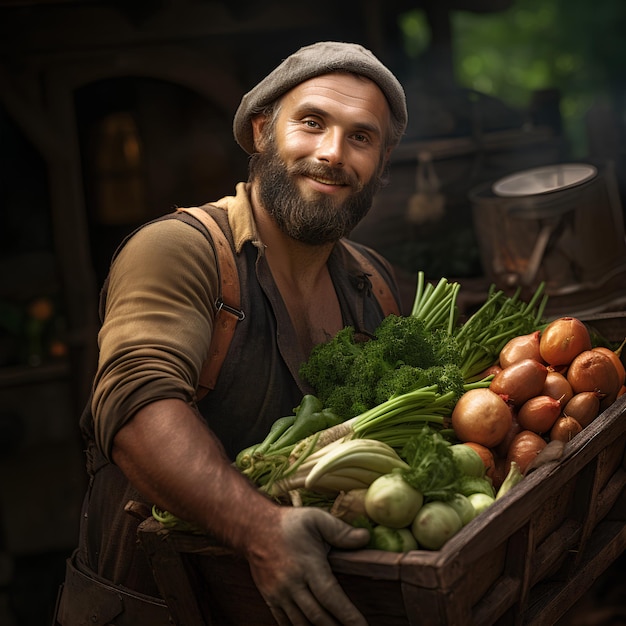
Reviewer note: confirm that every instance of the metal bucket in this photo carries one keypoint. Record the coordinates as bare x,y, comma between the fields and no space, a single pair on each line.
561,225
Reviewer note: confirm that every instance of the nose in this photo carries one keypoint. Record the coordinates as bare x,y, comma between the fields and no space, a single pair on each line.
331,147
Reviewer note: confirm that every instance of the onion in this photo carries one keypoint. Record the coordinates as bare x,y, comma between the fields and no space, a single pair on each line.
557,387
584,407
499,473
563,339
617,362
564,429
593,371
503,447
520,381
524,448
522,347
492,370
539,414
481,416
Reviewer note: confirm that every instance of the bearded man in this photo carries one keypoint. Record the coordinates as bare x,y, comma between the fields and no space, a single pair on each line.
320,129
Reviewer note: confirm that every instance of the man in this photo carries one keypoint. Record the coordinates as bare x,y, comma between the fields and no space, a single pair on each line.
320,129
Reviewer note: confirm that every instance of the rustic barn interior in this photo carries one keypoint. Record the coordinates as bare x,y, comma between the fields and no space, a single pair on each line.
112,113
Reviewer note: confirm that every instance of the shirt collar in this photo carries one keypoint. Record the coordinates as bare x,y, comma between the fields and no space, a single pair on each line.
240,217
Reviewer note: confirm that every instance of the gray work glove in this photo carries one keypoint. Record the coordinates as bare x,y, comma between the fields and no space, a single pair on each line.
296,580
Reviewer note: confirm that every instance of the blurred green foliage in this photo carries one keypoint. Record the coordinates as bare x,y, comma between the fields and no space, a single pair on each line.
575,46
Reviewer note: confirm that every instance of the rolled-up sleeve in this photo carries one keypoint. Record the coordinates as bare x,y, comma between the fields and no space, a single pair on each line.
157,324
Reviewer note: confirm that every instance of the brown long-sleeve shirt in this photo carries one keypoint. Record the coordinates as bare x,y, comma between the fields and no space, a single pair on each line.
157,326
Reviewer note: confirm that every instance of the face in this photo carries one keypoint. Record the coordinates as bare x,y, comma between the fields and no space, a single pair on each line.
321,157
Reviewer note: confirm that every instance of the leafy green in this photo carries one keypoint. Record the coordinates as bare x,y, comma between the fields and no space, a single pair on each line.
433,469
351,376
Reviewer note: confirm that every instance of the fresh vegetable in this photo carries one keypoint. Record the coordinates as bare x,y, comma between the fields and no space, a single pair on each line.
557,387
474,484
434,524
564,429
513,477
526,445
584,407
393,422
501,449
551,452
520,381
614,356
170,521
392,539
539,413
436,305
309,417
463,506
481,501
422,364
352,374
481,416
433,470
482,337
486,455
391,501
594,371
562,339
375,458
350,505
468,459
344,465
519,348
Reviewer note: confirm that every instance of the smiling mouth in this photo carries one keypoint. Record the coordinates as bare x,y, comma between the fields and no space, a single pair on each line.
326,181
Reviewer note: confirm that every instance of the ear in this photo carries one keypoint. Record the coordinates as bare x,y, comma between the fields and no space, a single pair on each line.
258,125
387,155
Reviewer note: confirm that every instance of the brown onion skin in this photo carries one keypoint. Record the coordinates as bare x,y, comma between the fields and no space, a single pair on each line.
524,448
584,407
503,447
490,371
617,363
557,387
622,391
563,339
564,429
481,416
520,382
499,472
539,414
519,348
593,371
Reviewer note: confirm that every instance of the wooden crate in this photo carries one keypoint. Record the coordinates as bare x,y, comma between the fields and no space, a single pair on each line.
525,560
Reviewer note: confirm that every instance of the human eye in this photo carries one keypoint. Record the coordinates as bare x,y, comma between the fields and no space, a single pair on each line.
311,123
361,138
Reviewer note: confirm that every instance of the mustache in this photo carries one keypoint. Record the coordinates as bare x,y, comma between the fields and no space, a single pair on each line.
332,174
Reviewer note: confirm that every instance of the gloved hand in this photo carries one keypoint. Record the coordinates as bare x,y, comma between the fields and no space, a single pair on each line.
294,576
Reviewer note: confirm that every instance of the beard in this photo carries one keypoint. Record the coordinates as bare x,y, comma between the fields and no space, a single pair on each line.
314,221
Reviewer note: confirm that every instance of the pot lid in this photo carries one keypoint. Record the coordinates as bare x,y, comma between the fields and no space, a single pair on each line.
540,180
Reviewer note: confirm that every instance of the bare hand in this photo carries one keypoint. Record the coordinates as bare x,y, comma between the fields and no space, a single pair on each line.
294,575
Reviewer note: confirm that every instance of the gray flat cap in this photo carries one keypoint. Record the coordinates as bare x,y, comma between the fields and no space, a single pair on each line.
315,60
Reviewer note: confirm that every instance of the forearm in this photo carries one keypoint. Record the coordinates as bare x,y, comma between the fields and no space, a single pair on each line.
176,462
